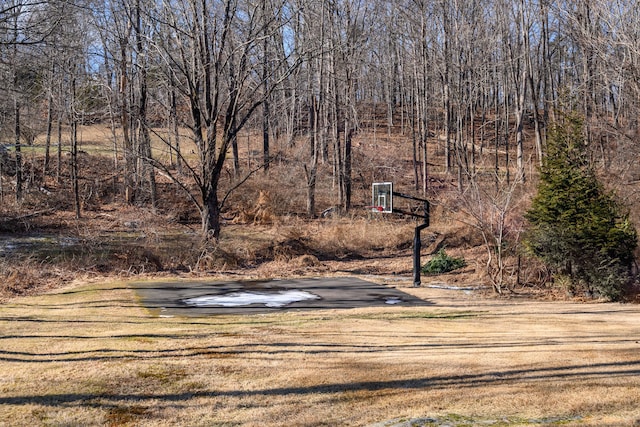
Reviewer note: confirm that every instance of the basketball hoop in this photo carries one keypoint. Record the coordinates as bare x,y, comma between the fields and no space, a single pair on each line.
382,195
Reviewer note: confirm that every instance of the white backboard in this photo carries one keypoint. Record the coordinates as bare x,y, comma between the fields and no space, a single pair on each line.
382,197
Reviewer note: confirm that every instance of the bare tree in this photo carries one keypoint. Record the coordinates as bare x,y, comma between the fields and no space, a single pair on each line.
492,213
216,49
26,26
352,25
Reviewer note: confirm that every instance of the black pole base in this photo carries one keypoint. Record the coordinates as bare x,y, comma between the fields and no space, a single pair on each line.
417,246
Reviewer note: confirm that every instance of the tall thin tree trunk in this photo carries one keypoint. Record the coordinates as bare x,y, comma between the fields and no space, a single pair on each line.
317,107
521,93
143,127
506,129
416,106
265,136
130,168
312,171
265,79
47,141
338,158
74,149
446,88
424,121
496,127
59,149
1,179
414,145
18,150
346,180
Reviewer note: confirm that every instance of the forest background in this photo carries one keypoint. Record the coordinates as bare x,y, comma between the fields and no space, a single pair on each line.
144,131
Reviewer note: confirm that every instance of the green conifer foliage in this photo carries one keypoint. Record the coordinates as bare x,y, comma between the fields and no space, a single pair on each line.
576,227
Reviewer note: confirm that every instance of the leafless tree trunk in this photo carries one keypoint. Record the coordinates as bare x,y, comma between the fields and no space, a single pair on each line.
59,148
18,149
144,139
174,124
15,26
520,73
47,143
73,117
446,86
266,110
130,169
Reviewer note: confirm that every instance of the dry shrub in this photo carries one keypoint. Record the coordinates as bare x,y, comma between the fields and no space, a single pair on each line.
451,225
137,260
306,243
462,236
292,242
27,276
286,187
306,261
344,236
533,273
214,258
291,247
19,282
632,293
259,212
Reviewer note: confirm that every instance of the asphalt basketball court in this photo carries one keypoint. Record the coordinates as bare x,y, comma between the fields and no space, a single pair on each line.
203,298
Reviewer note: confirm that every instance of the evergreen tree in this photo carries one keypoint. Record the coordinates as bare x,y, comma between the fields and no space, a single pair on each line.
576,227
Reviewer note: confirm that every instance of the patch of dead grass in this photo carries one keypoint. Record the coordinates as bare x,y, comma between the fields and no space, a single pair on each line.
124,415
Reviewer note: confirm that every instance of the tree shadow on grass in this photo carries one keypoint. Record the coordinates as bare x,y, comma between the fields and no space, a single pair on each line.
258,350
583,372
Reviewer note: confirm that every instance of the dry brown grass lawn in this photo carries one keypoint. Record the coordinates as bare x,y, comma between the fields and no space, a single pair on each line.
91,355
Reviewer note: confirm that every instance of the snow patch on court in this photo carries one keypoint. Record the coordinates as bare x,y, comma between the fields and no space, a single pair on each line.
238,299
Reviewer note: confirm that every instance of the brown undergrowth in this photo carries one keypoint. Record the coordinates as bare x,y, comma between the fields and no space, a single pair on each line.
129,241
265,232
